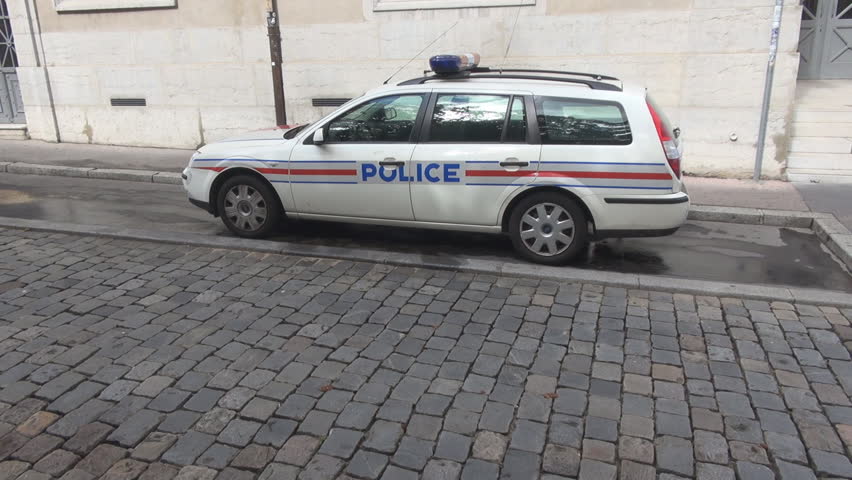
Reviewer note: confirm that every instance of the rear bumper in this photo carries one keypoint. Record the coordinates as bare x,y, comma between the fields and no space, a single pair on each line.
601,234
667,200
645,215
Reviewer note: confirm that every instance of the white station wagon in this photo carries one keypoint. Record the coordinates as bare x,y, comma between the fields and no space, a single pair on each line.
551,158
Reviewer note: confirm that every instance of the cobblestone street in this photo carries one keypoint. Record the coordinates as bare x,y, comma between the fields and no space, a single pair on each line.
124,360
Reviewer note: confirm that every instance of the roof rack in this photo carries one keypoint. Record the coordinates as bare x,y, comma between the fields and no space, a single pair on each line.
485,72
595,76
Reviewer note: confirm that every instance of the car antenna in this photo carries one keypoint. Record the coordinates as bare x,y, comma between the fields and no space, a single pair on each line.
421,51
511,35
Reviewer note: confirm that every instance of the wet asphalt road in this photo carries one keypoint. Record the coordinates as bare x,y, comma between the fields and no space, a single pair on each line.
699,250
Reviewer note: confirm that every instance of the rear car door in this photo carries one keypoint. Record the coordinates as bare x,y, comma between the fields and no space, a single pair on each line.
476,150
588,146
360,169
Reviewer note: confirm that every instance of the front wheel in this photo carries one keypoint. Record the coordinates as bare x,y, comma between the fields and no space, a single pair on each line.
548,228
248,207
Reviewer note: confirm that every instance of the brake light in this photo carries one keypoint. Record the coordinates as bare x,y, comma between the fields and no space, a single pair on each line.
667,141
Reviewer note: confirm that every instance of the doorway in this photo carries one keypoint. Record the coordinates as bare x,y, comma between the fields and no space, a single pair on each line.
825,42
11,104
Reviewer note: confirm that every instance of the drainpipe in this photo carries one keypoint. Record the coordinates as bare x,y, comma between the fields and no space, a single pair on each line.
767,88
275,55
41,61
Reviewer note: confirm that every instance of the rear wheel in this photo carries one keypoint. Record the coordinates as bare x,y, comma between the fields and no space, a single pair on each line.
248,207
548,228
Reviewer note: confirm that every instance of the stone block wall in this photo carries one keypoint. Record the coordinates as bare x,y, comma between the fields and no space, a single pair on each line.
703,60
204,66
203,69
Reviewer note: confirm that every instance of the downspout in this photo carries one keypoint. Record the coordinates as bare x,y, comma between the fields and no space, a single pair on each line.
42,62
275,54
767,89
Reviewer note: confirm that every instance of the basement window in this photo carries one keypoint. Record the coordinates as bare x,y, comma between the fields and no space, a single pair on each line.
391,5
108,5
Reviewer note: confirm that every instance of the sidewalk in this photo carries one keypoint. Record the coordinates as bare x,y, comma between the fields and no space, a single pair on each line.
93,156
775,195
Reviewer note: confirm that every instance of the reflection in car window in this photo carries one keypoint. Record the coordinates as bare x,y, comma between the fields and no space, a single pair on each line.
386,119
567,121
468,118
517,131
295,131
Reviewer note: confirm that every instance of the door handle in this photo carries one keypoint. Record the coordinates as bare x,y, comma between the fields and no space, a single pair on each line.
391,162
514,162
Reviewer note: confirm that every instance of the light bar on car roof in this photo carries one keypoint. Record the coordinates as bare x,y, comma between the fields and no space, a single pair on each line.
447,64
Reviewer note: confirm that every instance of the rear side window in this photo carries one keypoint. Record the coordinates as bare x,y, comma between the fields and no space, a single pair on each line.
468,118
571,121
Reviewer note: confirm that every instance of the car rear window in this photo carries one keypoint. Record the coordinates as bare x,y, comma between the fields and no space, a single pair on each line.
572,121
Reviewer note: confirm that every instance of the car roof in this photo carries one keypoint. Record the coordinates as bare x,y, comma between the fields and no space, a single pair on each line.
534,86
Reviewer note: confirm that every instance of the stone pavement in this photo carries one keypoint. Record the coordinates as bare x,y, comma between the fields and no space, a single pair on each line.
125,360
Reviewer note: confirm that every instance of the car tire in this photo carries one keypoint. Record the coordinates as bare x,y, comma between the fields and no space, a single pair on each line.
249,207
548,228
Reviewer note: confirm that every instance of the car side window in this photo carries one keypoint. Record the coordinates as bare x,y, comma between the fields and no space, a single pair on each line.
571,121
386,119
468,118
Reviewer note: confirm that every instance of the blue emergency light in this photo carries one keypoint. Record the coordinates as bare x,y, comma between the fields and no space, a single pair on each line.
449,64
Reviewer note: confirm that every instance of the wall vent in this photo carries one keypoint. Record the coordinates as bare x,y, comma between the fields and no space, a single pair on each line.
329,102
128,102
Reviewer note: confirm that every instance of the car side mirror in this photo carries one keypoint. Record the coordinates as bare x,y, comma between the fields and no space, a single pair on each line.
319,137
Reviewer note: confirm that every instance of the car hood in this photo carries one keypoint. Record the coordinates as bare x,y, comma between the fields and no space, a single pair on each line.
276,133
247,144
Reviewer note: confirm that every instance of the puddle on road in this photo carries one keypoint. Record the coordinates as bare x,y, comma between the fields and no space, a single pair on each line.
14,197
699,250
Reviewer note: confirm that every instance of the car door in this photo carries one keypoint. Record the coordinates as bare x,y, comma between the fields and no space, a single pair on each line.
359,170
476,150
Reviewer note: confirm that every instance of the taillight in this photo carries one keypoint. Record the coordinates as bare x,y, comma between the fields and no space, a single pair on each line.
668,142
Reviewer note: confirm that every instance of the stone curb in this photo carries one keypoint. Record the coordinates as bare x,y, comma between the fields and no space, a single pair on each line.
449,262
130,175
756,216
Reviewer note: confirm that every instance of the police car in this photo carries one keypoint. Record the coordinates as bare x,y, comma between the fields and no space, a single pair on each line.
551,158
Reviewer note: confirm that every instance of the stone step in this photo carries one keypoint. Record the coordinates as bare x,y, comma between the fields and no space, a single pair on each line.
829,92
819,176
822,116
820,161
817,129
821,145
824,105
13,131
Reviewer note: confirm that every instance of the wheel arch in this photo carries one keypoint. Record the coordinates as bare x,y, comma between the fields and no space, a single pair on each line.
233,172
507,213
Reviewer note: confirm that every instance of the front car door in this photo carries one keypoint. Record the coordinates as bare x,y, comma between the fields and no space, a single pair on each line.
477,150
360,169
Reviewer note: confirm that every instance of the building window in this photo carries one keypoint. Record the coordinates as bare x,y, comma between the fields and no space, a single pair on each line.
98,5
391,5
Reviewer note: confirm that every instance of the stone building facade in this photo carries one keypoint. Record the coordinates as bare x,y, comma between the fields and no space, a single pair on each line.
203,66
